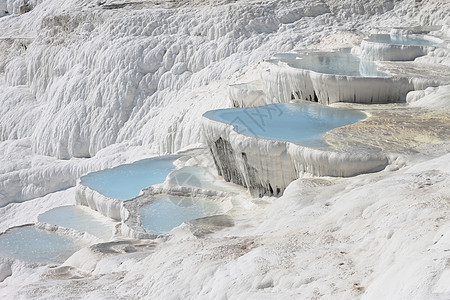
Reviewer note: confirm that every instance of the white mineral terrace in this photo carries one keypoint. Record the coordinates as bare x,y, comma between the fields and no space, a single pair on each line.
105,190
395,47
342,78
350,201
122,193
266,167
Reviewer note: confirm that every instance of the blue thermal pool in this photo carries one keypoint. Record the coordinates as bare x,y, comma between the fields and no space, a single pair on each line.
301,123
126,181
79,218
200,177
168,212
33,245
337,63
400,40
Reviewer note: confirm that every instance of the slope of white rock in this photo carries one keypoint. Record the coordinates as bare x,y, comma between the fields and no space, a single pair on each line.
85,86
109,207
77,78
94,78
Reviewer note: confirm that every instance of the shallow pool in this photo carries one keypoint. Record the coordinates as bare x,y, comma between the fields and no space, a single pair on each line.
302,123
337,63
168,212
79,218
34,245
400,40
126,181
201,177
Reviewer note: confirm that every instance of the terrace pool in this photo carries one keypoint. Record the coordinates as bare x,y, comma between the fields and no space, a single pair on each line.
79,218
126,181
400,40
336,63
33,245
302,124
168,212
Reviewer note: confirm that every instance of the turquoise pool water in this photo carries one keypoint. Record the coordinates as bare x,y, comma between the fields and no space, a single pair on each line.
126,181
33,245
78,218
168,212
337,63
400,40
201,177
302,124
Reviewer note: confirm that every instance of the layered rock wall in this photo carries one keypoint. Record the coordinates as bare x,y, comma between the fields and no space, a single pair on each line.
266,167
282,84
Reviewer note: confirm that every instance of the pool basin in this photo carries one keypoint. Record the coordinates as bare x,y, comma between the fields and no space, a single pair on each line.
126,181
81,219
299,123
33,245
168,212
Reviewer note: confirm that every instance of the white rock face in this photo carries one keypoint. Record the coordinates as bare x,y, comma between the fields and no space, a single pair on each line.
96,78
266,167
117,83
438,56
401,49
282,84
359,233
76,78
431,98
379,51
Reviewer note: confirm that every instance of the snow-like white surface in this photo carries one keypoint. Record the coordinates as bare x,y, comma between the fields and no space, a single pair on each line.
84,88
371,236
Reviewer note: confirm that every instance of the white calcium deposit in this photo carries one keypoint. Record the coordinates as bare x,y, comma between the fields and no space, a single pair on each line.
370,50
282,84
86,85
266,167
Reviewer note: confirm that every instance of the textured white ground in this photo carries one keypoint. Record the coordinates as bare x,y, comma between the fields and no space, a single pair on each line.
84,88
